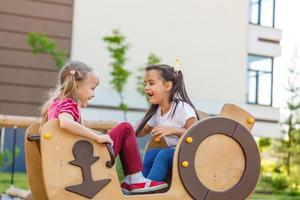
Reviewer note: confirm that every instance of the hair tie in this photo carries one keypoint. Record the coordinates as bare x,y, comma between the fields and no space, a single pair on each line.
177,65
72,72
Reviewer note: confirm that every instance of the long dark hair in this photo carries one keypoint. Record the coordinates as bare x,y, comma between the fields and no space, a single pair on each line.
178,91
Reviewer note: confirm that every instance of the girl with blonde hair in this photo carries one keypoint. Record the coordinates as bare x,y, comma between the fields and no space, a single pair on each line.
76,86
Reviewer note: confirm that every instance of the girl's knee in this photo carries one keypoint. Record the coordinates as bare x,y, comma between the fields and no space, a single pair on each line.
151,154
126,126
165,154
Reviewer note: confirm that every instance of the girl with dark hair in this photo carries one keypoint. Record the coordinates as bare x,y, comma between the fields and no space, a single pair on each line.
170,114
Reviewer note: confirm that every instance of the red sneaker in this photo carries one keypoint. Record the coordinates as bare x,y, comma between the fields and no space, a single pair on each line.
125,188
143,187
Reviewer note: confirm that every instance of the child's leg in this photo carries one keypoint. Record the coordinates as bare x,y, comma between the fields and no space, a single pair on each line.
161,164
125,145
149,159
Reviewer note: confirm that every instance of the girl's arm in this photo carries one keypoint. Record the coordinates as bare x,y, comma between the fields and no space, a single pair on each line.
66,121
146,130
170,130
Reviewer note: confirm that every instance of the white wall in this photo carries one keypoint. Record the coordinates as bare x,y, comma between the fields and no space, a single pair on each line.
270,46
209,37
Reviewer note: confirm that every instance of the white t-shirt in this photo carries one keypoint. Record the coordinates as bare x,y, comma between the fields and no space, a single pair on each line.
183,112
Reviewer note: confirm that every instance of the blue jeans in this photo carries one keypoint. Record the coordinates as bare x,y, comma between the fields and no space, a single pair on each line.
157,163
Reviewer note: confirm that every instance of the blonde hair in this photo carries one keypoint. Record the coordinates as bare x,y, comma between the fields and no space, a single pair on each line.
66,86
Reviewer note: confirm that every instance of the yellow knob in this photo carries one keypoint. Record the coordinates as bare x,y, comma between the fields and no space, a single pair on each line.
250,120
189,140
47,136
185,164
157,139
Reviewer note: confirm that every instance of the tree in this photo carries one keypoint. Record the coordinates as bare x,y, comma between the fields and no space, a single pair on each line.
6,158
40,43
151,60
117,48
288,147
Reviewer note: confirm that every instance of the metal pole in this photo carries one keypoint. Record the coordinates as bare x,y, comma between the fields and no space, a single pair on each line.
274,12
1,138
272,79
259,12
14,156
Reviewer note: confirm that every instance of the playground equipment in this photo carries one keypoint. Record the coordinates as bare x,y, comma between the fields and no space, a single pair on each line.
216,159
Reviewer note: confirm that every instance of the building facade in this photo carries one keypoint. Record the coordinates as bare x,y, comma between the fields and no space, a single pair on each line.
25,79
226,50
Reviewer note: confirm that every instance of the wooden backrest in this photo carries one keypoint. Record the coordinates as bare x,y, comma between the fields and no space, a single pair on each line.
239,115
156,143
161,142
202,114
33,164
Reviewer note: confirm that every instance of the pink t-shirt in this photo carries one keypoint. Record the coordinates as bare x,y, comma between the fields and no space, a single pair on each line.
64,106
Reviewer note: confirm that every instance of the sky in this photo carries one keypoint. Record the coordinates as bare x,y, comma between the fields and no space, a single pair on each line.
287,19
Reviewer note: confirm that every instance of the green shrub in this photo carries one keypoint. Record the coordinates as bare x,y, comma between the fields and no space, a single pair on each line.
264,184
280,182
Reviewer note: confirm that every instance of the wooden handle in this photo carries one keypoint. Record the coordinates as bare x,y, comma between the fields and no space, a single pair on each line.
112,161
33,137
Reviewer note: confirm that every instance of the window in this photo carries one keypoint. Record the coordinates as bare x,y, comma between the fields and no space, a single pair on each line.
262,12
260,80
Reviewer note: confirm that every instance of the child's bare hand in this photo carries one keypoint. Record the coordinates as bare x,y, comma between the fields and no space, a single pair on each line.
104,139
164,131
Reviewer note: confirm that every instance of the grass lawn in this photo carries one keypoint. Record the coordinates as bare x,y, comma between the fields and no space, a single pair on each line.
20,181
274,197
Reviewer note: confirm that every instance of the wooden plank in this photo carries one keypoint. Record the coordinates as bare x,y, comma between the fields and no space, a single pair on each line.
24,25
26,60
9,121
21,94
37,9
19,109
19,41
27,77
60,2
33,164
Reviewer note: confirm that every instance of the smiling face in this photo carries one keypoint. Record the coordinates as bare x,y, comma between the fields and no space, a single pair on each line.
157,89
86,89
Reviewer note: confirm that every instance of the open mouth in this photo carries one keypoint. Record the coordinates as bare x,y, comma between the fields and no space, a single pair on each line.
149,94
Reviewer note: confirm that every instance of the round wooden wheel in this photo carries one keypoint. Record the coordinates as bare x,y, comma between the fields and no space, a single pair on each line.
218,159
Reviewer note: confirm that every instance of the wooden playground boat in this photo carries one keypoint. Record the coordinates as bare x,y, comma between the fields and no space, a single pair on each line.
216,159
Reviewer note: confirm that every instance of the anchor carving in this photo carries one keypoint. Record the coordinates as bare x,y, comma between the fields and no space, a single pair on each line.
83,152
